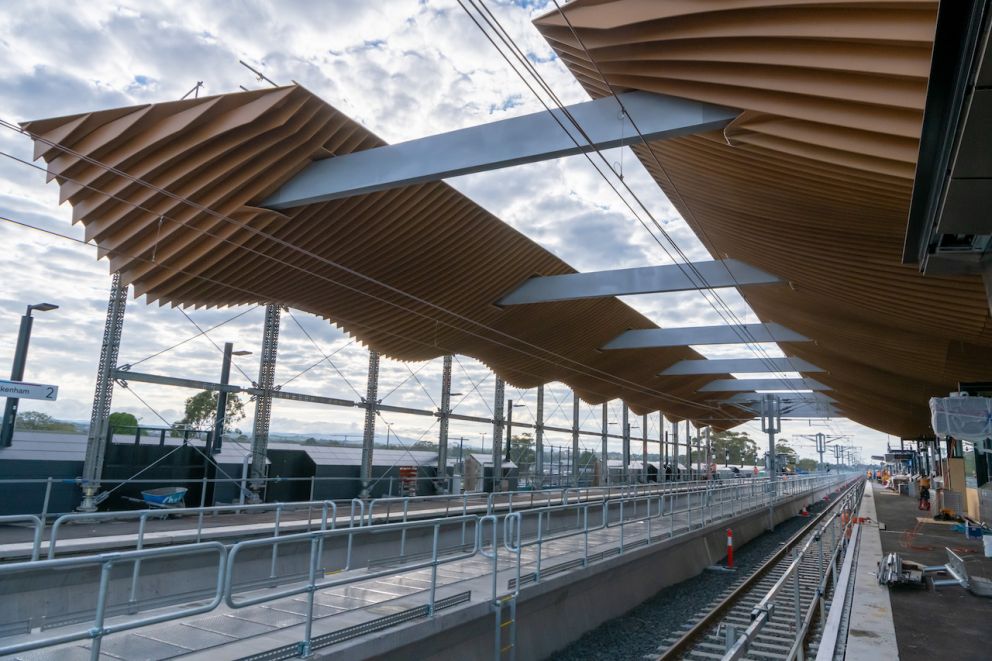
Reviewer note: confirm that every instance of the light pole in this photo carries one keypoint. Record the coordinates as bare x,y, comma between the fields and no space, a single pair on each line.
509,424
17,370
220,417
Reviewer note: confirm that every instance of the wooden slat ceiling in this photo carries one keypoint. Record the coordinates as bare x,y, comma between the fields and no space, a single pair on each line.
190,233
812,182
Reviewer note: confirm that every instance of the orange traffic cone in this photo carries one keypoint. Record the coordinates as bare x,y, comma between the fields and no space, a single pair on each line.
804,511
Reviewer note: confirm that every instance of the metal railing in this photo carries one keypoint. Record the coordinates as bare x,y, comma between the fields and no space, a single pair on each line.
328,516
106,562
329,555
839,530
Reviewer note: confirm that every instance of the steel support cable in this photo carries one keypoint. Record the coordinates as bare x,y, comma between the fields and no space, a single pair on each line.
343,320
693,275
314,365
475,386
756,346
419,383
321,352
192,337
598,374
216,346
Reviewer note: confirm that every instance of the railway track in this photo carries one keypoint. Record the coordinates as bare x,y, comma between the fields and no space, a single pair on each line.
776,612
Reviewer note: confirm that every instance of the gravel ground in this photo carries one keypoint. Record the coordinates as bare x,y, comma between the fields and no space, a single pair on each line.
641,630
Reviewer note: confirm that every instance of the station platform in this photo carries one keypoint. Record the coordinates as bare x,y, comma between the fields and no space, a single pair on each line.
919,624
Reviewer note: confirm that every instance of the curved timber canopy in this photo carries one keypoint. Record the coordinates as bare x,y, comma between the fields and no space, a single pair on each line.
811,182
169,192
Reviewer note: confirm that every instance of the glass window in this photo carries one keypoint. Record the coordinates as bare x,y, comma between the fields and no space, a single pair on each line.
970,475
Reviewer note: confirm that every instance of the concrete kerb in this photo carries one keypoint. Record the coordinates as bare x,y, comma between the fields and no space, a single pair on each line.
559,609
871,634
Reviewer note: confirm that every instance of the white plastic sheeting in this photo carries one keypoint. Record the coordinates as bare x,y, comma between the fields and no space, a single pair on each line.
962,417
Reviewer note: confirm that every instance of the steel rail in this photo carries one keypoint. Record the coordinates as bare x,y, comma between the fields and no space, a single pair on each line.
713,617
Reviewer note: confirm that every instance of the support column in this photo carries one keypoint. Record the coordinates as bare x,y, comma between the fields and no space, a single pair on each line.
371,403
644,448
625,425
821,446
442,434
96,441
221,414
263,400
575,440
675,450
539,438
662,454
771,424
709,454
499,395
604,458
688,449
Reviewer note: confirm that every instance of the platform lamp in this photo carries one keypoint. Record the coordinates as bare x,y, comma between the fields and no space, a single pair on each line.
509,424
225,379
17,369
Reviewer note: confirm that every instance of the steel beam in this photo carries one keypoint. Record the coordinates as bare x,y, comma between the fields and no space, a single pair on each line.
644,448
662,450
753,397
103,394
642,280
442,434
675,448
263,399
741,385
539,437
575,440
499,397
625,426
604,456
371,403
652,338
739,366
525,139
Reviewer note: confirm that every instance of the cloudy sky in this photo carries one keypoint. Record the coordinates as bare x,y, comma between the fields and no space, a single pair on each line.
404,69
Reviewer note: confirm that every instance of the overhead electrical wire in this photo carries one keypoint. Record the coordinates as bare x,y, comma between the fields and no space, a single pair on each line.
82,242
692,273
555,358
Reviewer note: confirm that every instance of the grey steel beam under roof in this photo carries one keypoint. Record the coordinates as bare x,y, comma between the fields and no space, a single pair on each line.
515,141
745,398
651,338
641,280
740,366
741,385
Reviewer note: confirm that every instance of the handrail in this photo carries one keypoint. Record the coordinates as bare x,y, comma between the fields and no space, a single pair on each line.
143,515
513,541
106,561
35,521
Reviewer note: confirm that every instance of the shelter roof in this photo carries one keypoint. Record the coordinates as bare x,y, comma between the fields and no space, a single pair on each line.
812,181
170,193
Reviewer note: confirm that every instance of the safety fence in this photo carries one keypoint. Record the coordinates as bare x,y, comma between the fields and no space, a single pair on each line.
259,571
160,525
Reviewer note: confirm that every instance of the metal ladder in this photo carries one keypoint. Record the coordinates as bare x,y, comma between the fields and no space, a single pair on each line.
504,605
507,604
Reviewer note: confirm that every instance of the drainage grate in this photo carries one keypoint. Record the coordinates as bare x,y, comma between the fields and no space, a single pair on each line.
292,651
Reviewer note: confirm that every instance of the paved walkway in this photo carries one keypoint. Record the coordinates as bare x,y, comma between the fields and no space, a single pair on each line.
947,623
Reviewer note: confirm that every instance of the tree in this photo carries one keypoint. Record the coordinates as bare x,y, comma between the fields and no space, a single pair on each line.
38,421
125,422
522,450
201,410
807,465
743,449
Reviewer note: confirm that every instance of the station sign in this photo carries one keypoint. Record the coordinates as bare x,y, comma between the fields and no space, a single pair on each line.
22,390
